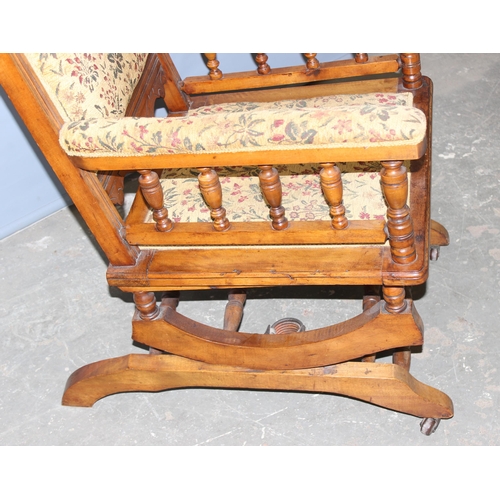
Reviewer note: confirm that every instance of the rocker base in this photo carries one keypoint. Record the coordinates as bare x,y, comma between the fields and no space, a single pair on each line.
383,384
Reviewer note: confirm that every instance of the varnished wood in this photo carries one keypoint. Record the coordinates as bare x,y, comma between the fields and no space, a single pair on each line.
212,194
331,183
206,255
371,297
153,194
312,63
176,100
289,75
361,58
386,385
439,234
257,233
261,60
145,303
233,313
370,332
394,182
375,152
213,65
298,91
412,76
270,185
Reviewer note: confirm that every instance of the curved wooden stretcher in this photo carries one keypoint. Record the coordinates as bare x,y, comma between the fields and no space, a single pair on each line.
155,253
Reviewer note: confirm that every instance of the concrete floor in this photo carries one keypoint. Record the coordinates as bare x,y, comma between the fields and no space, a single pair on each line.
57,313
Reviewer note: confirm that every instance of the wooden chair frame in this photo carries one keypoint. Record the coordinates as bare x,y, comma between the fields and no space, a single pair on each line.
319,360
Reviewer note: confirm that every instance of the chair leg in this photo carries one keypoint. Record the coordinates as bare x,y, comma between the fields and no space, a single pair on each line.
234,310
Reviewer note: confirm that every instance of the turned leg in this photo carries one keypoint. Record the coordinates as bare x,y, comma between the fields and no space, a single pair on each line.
234,310
394,181
145,303
396,303
370,298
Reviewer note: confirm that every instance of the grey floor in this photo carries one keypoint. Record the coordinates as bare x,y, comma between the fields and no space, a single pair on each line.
57,313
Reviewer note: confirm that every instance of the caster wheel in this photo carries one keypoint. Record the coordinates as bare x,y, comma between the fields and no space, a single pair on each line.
434,253
429,425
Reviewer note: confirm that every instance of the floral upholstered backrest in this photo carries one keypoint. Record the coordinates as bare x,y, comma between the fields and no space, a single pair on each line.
84,86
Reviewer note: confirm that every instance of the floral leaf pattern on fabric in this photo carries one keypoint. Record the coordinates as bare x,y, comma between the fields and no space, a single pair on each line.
237,127
85,86
302,195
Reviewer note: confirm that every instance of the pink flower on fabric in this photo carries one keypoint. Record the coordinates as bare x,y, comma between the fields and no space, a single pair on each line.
278,137
175,141
343,126
364,215
136,147
278,123
143,131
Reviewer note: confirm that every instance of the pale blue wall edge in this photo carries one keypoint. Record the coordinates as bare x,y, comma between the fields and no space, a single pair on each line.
29,190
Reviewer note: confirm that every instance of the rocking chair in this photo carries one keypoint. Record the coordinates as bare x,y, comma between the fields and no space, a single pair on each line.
306,175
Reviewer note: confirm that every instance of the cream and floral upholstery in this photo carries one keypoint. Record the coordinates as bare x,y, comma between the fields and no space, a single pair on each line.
302,196
92,92
334,121
89,86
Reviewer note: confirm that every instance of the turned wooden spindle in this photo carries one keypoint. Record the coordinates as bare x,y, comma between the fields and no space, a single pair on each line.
153,194
212,194
261,60
270,184
394,182
361,57
234,310
331,183
312,63
394,297
168,299
395,302
411,68
145,303
371,297
213,65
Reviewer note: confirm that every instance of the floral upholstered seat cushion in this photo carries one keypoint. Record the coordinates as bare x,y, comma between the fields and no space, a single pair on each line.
329,122
302,194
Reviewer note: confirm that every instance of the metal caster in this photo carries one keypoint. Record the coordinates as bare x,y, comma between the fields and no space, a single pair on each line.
429,425
434,253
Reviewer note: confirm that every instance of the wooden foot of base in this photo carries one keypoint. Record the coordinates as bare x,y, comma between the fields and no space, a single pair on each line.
386,385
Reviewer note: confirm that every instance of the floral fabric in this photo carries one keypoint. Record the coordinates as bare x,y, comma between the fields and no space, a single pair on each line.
89,86
329,122
302,195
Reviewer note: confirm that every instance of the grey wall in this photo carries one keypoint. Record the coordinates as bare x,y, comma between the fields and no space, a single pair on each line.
29,191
